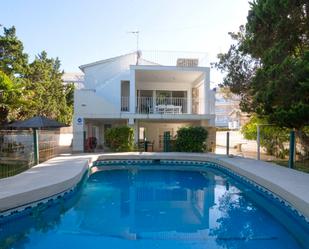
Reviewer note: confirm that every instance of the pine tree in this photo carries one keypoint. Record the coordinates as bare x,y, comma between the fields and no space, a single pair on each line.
31,89
269,64
13,60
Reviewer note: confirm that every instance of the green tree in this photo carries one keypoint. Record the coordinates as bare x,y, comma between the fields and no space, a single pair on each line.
44,79
272,138
38,85
13,60
268,66
239,69
10,98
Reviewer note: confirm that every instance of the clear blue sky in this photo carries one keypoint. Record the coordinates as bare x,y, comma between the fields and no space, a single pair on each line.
83,31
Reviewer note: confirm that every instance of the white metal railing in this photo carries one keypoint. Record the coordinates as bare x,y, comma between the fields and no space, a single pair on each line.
125,104
163,105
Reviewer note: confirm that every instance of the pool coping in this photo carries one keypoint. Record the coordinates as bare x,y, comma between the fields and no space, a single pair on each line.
44,180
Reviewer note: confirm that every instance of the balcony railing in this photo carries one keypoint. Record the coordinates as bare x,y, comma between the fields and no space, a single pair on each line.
161,105
166,105
125,104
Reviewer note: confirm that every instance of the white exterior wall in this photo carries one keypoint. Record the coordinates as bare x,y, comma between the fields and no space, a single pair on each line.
101,97
87,103
106,79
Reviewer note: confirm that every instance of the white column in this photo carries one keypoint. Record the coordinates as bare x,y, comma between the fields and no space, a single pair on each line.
154,100
132,91
136,132
134,125
206,91
78,133
189,101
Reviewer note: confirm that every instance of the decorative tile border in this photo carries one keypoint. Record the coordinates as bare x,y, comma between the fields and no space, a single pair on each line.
121,162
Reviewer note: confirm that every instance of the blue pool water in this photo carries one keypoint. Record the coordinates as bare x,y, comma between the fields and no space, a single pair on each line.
155,209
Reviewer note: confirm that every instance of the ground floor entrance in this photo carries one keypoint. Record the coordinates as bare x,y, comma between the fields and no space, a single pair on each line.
150,130
153,131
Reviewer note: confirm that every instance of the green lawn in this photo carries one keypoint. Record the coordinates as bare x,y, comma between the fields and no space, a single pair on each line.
301,166
7,170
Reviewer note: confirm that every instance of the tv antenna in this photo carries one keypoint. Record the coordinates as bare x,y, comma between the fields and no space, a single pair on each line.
136,33
138,53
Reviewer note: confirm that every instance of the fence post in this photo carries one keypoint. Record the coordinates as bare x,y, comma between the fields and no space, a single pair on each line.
36,146
145,145
258,138
292,149
84,141
228,143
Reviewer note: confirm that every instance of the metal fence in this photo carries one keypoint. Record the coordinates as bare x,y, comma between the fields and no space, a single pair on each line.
17,149
16,152
275,149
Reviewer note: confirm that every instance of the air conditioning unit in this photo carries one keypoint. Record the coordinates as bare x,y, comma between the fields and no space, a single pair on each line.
186,62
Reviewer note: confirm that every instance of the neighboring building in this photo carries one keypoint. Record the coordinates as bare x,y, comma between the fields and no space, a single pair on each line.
152,98
237,119
228,114
74,77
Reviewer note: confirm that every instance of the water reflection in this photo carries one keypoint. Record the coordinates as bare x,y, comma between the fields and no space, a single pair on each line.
136,204
15,233
153,208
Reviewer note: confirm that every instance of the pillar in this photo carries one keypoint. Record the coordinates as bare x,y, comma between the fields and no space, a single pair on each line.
132,101
78,133
206,91
189,95
36,146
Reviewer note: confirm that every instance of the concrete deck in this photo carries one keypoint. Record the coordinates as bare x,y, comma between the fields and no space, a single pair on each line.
62,173
44,180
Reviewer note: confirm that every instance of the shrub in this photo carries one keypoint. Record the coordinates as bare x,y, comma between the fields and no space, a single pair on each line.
272,138
120,138
191,139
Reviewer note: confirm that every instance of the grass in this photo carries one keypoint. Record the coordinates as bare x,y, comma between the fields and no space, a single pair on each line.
299,165
7,170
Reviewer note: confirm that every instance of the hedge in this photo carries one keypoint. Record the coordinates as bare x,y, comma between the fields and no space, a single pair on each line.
120,138
191,139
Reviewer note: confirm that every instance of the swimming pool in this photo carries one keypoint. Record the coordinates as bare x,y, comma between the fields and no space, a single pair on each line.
157,205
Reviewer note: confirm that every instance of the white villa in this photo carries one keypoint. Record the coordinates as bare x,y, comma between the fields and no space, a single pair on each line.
149,97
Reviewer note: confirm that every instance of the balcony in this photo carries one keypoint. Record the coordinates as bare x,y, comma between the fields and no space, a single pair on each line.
164,105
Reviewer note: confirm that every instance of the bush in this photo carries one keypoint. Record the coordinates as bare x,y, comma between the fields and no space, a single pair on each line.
191,139
272,138
120,138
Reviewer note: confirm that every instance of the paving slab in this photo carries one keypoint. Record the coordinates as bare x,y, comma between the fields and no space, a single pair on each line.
44,180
